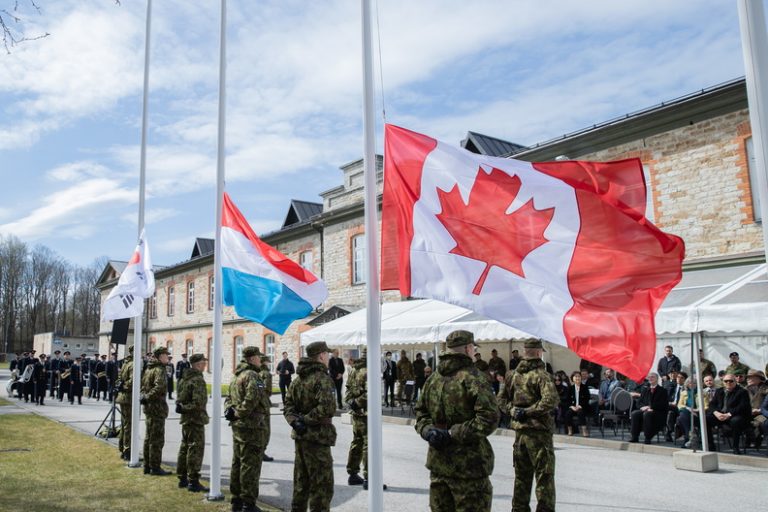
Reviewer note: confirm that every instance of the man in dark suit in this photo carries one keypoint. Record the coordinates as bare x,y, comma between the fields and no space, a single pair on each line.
64,366
112,370
729,408
92,380
674,385
668,363
336,371
101,378
53,367
389,374
181,366
285,370
652,411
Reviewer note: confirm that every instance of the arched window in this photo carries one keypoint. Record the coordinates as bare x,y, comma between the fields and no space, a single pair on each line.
189,347
169,346
152,344
269,349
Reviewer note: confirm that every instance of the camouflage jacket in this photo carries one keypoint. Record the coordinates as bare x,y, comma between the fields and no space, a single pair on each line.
457,398
530,387
266,378
405,370
154,386
126,375
249,398
357,387
192,395
312,397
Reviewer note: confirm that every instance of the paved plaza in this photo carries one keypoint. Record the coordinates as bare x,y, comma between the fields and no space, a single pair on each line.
589,477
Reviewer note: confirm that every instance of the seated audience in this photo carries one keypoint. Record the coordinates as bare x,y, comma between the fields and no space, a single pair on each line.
730,410
651,413
758,391
578,405
689,406
607,385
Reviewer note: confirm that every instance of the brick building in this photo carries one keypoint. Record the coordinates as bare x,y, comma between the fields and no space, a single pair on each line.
696,151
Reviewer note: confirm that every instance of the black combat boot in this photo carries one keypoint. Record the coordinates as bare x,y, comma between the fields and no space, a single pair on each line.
146,470
183,482
196,486
237,505
159,472
249,507
267,458
355,479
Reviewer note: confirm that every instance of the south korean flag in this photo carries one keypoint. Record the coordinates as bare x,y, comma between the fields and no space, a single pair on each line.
136,283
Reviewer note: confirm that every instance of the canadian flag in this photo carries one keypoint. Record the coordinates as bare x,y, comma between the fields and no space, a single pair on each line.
561,250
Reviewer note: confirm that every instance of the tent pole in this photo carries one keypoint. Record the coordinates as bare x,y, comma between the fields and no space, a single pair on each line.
695,343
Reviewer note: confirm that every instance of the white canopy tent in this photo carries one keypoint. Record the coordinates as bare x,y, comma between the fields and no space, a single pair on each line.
728,304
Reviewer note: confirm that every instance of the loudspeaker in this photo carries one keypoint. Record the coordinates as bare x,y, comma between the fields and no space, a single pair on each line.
120,331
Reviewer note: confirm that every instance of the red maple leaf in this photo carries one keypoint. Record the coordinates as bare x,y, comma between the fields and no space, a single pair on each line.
484,231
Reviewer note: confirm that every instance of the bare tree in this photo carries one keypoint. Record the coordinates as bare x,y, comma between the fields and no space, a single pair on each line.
12,16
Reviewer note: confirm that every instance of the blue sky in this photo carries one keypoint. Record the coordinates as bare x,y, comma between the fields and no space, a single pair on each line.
525,71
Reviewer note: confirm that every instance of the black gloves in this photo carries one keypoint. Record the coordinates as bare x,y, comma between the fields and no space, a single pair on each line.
352,404
143,400
299,427
519,414
437,438
229,414
179,408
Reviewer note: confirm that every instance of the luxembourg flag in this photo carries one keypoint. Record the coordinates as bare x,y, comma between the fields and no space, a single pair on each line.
560,250
259,281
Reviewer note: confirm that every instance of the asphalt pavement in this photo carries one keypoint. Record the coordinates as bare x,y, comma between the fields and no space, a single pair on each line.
591,476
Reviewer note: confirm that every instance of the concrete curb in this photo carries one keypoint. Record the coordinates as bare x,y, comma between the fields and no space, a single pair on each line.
609,444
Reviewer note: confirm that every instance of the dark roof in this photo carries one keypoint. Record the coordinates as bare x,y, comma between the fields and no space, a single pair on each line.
487,145
332,313
203,246
300,211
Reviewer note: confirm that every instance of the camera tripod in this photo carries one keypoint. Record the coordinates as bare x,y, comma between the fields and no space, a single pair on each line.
109,419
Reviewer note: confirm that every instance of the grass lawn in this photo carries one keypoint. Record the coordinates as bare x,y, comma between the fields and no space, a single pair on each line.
3,401
47,467
5,365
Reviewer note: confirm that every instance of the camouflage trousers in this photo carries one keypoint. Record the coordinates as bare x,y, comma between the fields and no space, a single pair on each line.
191,451
534,455
312,477
247,451
154,440
124,441
460,494
358,448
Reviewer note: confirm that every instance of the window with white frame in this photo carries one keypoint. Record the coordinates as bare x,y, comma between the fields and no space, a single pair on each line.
171,300
753,182
189,348
269,344
209,345
169,346
358,259
649,213
191,297
239,345
153,305
210,292
306,261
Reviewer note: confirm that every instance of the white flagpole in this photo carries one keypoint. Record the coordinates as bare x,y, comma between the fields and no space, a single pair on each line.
754,44
216,359
137,321
373,321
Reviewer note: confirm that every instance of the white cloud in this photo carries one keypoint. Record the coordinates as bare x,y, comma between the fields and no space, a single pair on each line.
152,215
71,211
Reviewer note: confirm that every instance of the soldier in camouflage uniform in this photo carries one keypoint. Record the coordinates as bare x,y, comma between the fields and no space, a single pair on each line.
154,385
529,396
455,414
266,378
356,399
124,391
191,399
247,412
309,408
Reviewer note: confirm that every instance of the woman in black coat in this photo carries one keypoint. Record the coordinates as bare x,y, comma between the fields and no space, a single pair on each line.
578,405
